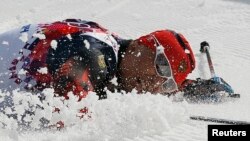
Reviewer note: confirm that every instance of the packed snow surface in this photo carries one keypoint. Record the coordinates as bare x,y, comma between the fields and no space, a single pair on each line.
225,24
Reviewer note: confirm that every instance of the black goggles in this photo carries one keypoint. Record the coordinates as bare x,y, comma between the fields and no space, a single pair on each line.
163,68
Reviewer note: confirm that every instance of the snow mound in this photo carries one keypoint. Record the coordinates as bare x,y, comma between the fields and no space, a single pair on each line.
108,119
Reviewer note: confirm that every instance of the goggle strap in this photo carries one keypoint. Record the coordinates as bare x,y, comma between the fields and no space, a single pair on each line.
158,48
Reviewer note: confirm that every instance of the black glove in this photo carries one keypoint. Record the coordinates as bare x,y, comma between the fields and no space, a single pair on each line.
201,89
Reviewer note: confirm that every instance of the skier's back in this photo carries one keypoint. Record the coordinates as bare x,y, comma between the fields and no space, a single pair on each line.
61,55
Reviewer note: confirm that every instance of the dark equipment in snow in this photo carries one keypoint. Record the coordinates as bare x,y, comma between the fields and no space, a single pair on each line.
211,90
205,49
218,120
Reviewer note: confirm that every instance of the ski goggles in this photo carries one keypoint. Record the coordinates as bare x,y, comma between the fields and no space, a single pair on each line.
163,68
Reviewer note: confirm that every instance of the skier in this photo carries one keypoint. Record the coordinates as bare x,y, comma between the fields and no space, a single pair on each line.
70,55
157,62
160,63
81,56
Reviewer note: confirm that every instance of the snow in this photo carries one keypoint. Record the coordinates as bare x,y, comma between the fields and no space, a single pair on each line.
114,81
138,54
86,43
22,72
69,36
24,37
39,35
225,24
43,70
108,119
187,51
53,44
5,43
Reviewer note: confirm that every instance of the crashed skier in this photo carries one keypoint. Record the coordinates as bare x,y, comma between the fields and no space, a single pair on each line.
81,56
160,63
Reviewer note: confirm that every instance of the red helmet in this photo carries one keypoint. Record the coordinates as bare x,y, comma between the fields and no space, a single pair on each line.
176,49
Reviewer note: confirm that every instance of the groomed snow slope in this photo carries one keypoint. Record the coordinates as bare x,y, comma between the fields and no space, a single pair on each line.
225,24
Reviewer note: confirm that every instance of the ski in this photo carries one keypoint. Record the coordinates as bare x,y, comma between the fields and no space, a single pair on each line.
234,96
218,120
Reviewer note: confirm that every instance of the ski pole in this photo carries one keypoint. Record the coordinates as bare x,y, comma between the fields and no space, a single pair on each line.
205,49
217,120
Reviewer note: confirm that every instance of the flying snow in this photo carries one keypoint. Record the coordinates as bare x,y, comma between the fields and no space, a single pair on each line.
5,43
114,81
69,36
43,70
86,43
187,51
39,35
53,44
24,37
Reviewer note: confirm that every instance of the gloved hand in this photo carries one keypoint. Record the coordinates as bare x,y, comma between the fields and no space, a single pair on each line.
205,89
220,81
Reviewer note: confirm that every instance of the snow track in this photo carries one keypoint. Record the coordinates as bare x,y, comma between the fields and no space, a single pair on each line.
225,24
